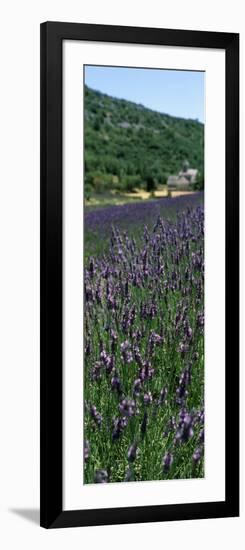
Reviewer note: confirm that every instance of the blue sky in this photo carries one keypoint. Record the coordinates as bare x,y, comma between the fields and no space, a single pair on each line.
177,93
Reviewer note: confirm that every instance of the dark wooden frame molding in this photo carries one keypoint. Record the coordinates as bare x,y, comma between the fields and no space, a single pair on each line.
52,35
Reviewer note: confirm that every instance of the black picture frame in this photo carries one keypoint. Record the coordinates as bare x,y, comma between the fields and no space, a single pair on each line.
52,35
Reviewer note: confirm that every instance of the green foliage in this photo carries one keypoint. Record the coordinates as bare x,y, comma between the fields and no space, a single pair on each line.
131,182
150,183
129,141
199,184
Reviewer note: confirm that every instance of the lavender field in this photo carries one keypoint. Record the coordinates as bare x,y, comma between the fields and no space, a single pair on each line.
144,341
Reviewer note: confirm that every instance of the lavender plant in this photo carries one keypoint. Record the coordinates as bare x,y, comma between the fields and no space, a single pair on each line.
144,352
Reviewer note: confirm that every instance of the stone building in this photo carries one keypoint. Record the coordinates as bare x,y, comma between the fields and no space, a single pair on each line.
185,178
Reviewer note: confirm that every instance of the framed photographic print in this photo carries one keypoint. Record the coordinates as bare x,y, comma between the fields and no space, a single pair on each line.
139,274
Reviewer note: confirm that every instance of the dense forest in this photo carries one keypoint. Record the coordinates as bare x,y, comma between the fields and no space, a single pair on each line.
128,146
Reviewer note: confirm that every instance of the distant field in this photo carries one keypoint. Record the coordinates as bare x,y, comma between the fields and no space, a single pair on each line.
132,215
117,198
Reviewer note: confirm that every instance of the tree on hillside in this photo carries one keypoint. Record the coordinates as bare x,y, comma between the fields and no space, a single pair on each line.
150,183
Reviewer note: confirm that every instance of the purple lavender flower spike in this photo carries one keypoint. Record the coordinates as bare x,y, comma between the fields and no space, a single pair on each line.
167,462
183,347
107,360
132,452
91,268
96,373
118,426
201,436
86,450
197,456
127,407
101,476
182,389
185,430
97,417
127,355
146,372
137,387
147,398
116,383
114,339
162,396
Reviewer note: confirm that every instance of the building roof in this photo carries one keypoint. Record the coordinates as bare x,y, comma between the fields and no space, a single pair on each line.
191,172
183,178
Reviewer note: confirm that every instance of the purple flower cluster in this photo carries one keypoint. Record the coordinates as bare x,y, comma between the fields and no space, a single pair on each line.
167,462
127,407
96,416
